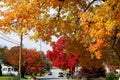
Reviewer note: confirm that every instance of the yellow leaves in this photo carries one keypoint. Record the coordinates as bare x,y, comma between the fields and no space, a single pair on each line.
92,32
70,16
82,23
10,16
87,41
35,36
99,25
92,48
111,2
23,13
6,30
9,1
98,45
109,25
100,33
98,48
52,1
84,16
118,35
28,6
86,29
77,35
1,23
12,1
118,17
98,55
22,30
48,1
91,14
94,19
24,21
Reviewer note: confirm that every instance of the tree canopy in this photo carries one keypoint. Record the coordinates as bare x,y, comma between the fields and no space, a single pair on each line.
32,61
92,24
59,58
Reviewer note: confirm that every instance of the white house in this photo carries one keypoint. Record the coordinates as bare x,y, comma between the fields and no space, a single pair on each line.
8,70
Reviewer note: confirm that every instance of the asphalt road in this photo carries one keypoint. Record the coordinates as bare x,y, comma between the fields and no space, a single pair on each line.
54,75
51,78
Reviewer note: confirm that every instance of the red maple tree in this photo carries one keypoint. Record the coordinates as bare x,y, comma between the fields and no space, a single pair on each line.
59,57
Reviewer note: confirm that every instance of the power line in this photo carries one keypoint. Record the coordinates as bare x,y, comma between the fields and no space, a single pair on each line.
9,40
8,37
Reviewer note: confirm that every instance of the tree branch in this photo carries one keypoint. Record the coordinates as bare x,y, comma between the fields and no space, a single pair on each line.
115,42
89,5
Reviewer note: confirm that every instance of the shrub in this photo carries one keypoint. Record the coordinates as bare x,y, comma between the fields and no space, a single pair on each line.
111,76
91,73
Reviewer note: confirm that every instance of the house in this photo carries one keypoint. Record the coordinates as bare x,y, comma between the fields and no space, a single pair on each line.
8,70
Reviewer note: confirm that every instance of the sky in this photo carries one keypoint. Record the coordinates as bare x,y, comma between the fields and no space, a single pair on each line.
13,39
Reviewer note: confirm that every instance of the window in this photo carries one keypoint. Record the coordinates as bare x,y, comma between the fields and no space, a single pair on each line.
4,69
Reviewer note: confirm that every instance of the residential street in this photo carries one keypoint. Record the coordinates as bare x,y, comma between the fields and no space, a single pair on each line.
51,78
54,75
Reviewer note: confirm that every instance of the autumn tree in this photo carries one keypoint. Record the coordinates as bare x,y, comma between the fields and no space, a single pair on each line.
34,14
101,29
92,24
32,61
59,58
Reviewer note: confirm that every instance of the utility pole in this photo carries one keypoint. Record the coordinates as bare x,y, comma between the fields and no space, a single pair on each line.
20,56
21,31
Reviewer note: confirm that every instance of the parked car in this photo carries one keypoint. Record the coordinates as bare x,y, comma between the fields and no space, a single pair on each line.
49,73
68,75
60,74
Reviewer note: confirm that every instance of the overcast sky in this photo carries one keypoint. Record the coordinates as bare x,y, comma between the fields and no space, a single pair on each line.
13,39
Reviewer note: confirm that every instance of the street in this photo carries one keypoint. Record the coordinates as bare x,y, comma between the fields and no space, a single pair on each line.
51,78
54,75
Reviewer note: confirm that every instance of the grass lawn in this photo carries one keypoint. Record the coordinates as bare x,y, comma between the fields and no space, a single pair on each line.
16,77
10,78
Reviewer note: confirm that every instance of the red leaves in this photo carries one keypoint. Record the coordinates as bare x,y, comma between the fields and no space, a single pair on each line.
31,59
60,61
59,58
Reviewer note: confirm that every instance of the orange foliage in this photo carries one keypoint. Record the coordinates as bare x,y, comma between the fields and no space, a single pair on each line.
98,54
101,25
31,59
93,23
